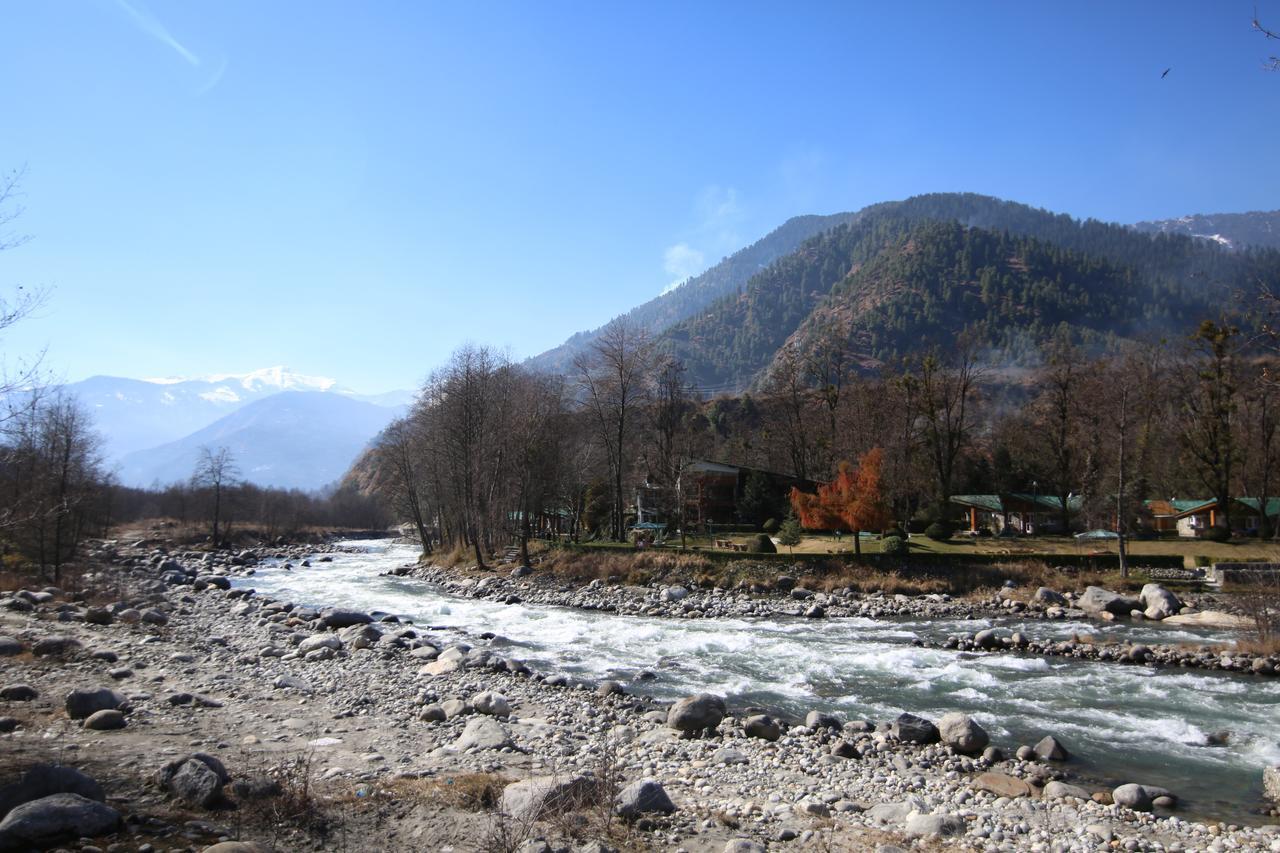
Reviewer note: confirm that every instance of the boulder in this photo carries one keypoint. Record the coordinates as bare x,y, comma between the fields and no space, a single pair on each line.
988,638
762,726
743,845
196,780
44,780
1050,597
1051,749
320,641
961,733
935,825
815,720
483,733
344,618
46,821
696,713
491,703
1062,791
433,713
83,702
18,693
912,729
1096,601
1132,796
644,796
105,721
674,593
530,799
845,749
55,646
1158,602
1210,619
1002,785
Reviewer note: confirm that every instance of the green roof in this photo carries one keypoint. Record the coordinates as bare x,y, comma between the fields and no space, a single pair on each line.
996,503
1273,504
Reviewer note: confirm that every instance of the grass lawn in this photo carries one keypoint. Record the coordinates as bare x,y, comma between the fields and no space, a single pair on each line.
1244,549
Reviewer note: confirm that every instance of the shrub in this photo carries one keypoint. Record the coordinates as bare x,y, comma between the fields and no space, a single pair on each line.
770,526
940,531
1203,562
895,546
896,530
1217,533
762,544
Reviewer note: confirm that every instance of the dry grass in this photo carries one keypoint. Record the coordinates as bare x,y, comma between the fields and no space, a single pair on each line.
473,792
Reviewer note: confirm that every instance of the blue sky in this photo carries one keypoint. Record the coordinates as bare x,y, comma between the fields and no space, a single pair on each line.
353,189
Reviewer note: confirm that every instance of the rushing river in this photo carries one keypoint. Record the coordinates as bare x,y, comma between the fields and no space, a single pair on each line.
1121,723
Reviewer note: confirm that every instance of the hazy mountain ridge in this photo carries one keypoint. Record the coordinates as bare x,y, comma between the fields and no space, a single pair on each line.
1258,228
291,439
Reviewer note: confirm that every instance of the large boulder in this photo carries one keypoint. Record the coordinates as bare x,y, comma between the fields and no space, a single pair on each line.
1002,785
1132,796
44,780
58,817
912,729
762,726
1096,601
1050,748
483,733
935,825
320,641
1050,597
696,713
815,720
1056,790
18,693
644,796
491,703
196,780
85,701
106,720
962,733
344,618
1158,602
530,799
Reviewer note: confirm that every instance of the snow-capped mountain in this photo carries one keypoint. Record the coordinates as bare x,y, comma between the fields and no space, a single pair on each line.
137,414
290,439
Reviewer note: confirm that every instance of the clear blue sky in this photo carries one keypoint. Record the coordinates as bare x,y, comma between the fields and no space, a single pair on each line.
353,189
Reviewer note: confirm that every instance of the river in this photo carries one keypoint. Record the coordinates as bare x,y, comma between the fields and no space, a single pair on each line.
1121,723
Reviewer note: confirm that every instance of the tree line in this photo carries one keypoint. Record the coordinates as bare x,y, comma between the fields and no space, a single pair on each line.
494,452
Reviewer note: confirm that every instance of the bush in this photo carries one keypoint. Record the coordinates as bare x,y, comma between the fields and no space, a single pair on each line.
762,544
896,530
1217,533
940,531
895,546
770,526
1203,562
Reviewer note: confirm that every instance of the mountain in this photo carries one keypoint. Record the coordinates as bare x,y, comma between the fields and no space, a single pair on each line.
136,414
1257,228
902,277
290,439
695,294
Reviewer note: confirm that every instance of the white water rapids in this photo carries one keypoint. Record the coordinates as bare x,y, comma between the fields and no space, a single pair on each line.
1122,723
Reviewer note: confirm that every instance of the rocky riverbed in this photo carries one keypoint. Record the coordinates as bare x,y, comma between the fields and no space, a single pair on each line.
195,707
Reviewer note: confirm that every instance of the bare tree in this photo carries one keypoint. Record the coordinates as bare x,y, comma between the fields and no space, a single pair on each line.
1059,419
401,458
20,384
669,416
1272,62
614,376
788,386
944,393
216,472
1209,411
536,435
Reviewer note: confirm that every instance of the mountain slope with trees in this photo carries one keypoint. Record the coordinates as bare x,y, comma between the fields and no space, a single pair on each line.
1258,228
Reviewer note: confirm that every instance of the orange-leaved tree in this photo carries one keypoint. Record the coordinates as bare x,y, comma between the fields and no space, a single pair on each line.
853,500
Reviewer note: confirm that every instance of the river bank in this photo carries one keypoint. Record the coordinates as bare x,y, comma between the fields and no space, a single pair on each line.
270,683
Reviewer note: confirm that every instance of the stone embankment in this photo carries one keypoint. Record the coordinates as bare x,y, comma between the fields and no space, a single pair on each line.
216,704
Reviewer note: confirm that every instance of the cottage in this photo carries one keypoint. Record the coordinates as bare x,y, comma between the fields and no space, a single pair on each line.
718,493
1190,518
1016,513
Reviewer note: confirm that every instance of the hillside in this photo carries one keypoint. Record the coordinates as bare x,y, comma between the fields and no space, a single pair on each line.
293,439
907,275
700,291
1260,229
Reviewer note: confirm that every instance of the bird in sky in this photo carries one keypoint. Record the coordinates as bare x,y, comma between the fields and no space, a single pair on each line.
1166,73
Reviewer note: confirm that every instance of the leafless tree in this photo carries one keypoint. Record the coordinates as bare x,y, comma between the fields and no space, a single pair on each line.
20,384
669,415
615,379
401,457
1210,401
1273,62
216,472
788,386
944,392
537,441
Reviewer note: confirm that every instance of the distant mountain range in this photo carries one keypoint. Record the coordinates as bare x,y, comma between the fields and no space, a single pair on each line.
153,428
1235,230
291,439
897,278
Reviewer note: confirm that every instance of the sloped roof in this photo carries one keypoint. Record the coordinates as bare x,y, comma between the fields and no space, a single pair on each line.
1016,500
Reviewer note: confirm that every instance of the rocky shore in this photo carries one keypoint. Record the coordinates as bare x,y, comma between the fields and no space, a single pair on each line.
785,598
163,707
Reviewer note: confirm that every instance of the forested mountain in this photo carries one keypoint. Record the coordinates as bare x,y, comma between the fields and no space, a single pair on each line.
694,295
904,276
1257,228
